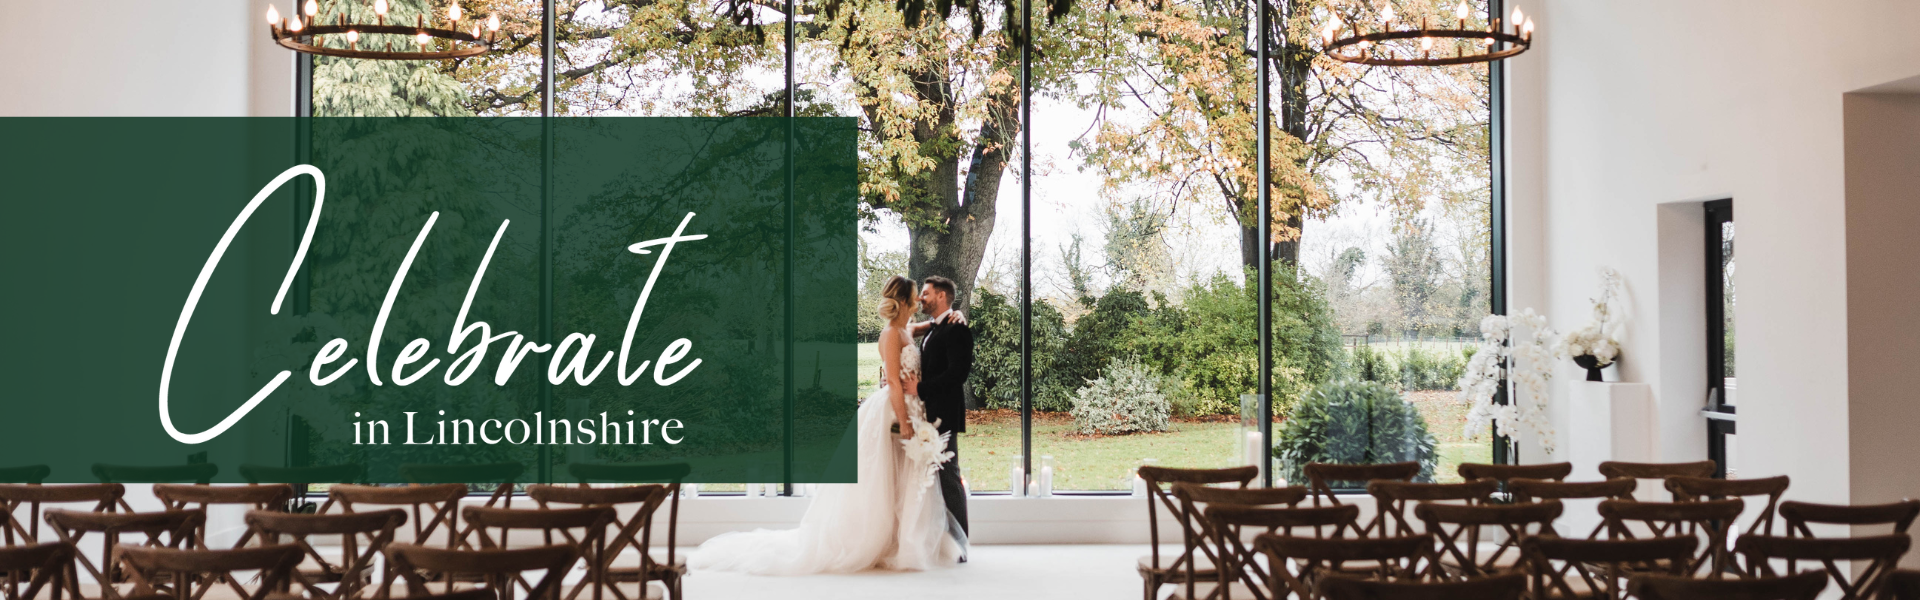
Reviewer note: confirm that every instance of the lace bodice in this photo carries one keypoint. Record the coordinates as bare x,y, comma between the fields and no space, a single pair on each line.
909,360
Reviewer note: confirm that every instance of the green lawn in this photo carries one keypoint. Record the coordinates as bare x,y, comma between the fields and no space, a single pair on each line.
1081,462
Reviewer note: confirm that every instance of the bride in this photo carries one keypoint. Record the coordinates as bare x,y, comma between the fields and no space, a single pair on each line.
894,517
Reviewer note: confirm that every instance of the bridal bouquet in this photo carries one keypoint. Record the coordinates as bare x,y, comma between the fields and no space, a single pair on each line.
927,447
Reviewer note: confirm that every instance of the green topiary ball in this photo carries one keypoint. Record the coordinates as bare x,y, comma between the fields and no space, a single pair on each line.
1353,422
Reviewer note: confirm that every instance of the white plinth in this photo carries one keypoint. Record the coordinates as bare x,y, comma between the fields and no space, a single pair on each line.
1609,421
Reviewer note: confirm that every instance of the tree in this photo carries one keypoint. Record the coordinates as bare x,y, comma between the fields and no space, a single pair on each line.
1402,136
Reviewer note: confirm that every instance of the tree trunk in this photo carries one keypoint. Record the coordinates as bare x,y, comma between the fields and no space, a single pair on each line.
954,247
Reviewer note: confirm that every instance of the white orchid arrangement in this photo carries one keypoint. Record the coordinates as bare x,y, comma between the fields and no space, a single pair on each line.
1601,337
1512,349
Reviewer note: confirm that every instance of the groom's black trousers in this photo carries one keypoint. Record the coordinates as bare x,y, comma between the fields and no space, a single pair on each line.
954,492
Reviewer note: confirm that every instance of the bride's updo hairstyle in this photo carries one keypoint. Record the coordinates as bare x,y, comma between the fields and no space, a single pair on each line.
896,298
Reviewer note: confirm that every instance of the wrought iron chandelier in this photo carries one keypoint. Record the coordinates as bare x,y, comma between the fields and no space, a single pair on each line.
423,40
1428,46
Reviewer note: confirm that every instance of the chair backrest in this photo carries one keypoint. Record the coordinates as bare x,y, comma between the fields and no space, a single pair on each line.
500,569
1504,473
1904,584
169,529
1689,489
175,496
1160,496
1197,539
1528,490
503,474
1228,526
50,566
302,477
668,474
105,497
1404,557
1638,470
1871,559
1392,499
1804,586
1708,520
1458,529
1567,567
1323,478
635,532
191,574
1798,516
582,528
200,473
361,538
1500,587
441,504
34,474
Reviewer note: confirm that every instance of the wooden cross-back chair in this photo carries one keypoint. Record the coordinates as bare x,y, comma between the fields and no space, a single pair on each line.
43,567
191,574
440,503
361,538
256,497
1799,517
1638,470
1405,558
1392,499
105,497
1457,528
1322,478
1538,490
1689,489
503,475
301,478
196,473
1238,572
582,528
1708,520
1804,586
173,529
1499,587
1504,473
497,569
1903,584
1569,568
1200,554
671,569
1155,572
635,532
1871,559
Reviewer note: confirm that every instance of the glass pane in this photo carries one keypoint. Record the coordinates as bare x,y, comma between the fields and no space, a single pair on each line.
938,196
697,58
1382,201
1726,286
1143,319
502,82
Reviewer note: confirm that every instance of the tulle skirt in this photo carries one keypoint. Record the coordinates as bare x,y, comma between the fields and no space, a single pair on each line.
894,518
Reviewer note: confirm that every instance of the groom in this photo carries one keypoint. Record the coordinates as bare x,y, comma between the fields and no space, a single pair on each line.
946,357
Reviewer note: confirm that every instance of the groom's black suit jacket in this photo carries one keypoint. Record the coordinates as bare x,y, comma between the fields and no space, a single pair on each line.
945,360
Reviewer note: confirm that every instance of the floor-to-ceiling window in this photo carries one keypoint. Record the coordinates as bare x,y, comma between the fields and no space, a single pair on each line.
1127,244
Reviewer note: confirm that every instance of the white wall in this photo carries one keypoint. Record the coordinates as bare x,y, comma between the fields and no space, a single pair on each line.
142,58
1627,107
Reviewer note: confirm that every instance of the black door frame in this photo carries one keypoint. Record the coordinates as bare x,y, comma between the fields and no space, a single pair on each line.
1721,419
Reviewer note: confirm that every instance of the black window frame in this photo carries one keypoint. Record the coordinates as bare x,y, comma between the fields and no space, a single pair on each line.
1721,417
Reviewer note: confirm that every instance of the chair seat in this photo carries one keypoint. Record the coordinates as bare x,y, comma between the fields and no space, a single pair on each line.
1201,566
626,566
1351,566
1204,591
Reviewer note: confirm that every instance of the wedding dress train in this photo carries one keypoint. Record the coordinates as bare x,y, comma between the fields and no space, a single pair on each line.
894,518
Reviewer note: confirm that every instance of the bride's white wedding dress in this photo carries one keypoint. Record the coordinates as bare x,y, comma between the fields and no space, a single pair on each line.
894,518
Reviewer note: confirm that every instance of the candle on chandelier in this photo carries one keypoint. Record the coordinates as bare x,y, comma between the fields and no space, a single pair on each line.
493,27
1333,27
1518,18
353,39
380,10
453,12
1527,31
421,38
1386,18
1460,13
313,9
273,15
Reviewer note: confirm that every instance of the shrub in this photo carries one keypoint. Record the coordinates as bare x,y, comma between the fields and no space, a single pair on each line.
1126,398
995,381
1413,368
1354,422
1368,364
1209,341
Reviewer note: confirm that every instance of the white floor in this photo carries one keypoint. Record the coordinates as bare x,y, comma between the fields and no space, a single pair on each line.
997,571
